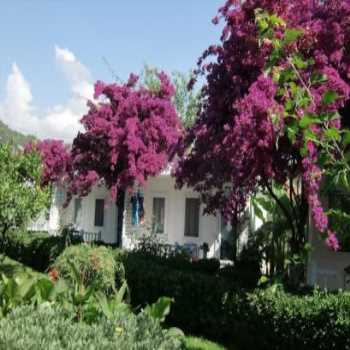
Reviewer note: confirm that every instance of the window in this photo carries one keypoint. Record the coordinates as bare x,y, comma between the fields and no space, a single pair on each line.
60,195
158,224
192,217
99,212
227,246
77,210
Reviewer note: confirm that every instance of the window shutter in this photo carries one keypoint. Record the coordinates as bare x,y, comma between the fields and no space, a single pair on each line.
99,212
158,215
77,209
192,217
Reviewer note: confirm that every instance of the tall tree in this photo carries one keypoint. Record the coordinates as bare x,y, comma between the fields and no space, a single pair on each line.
130,133
22,196
186,101
274,87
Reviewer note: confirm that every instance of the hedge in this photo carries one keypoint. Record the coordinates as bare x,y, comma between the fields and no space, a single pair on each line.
267,320
37,250
46,328
198,309
218,309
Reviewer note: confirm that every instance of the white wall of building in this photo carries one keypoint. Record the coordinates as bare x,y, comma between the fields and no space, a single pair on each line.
164,186
325,267
175,203
86,217
50,219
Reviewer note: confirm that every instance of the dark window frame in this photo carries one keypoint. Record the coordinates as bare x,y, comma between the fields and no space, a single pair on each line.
163,199
192,212
77,208
99,212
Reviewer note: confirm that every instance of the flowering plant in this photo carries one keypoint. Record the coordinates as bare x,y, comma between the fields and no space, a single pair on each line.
130,133
273,109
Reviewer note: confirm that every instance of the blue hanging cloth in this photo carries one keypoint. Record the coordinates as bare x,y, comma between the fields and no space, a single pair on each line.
135,210
141,210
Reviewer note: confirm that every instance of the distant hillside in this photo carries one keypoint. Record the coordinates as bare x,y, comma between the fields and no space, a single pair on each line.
10,136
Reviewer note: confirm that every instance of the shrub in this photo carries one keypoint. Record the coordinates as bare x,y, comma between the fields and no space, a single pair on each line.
36,249
198,307
93,265
47,328
180,262
22,196
214,307
265,320
193,343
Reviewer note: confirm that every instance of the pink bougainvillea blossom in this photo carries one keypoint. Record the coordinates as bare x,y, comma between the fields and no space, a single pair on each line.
130,133
239,143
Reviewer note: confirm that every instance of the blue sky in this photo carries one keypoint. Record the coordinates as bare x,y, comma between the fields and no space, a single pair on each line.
169,34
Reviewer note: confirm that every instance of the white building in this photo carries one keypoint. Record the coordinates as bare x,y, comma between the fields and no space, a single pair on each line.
174,216
326,268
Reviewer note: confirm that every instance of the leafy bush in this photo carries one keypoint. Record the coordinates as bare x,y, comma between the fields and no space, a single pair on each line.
214,307
198,306
88,265
180,261
266,320
47,328
37,250
193,343
20,285
22,196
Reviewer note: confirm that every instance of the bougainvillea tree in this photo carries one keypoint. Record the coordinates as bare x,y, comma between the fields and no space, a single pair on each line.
55,160
130,133
276,84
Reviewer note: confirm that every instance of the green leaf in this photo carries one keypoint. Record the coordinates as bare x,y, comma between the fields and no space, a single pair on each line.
329,97
121,293
287,75
317,78
277,21
307,120
299,62
291,35
288,106
332,133
160,309
309,135
346,138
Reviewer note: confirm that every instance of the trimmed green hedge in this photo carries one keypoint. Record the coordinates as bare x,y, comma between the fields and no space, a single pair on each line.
37,250
182,262
198,307
46,328
214,307
265,320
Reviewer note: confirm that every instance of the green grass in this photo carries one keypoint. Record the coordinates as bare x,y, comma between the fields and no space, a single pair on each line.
193,343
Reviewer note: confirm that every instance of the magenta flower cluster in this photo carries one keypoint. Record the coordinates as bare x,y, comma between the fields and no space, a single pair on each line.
239,142
55,158
130,134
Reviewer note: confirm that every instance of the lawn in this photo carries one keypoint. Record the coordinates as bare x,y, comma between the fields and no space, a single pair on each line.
194,343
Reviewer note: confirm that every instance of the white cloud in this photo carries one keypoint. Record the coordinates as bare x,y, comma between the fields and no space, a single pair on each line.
59,121
64,54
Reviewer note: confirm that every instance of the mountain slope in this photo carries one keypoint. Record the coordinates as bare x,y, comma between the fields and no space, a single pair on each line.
8,135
